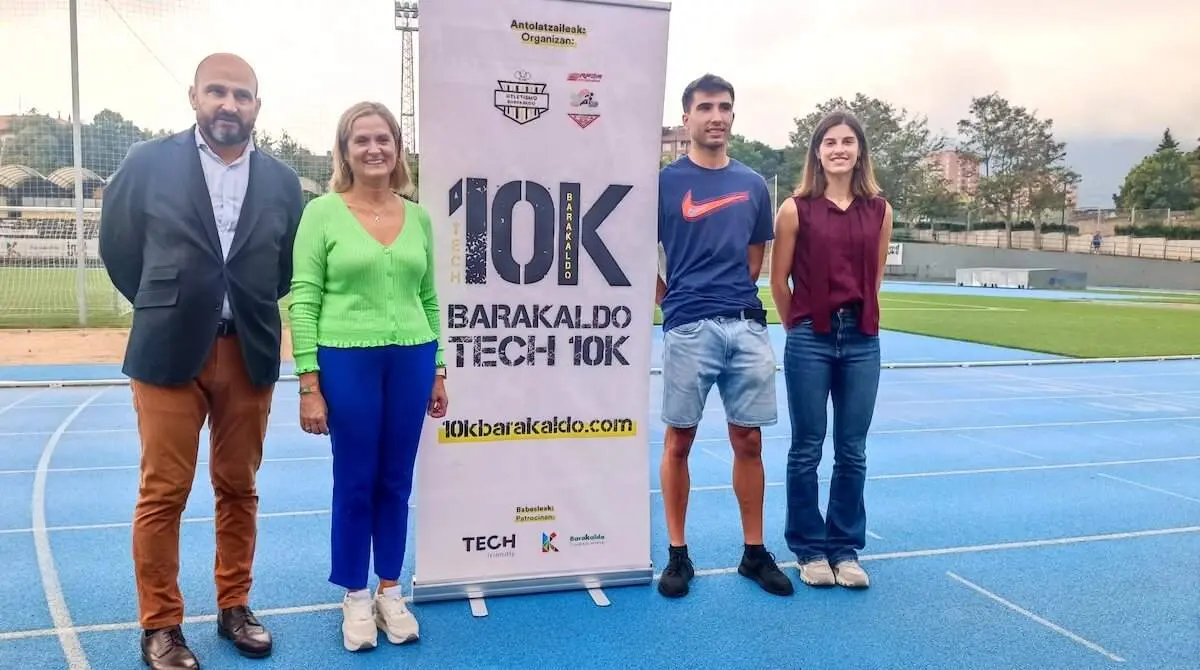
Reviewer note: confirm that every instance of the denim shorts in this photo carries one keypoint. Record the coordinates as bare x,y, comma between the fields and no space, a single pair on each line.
733,353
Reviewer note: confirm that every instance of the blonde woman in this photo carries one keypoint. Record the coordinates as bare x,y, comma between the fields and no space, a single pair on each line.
367,347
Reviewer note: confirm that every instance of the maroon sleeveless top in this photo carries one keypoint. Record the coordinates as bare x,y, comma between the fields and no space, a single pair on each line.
836,262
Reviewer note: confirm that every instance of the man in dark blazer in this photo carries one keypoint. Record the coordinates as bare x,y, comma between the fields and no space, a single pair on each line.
196,231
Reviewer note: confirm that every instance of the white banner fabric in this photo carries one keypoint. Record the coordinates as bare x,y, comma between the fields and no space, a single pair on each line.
540,132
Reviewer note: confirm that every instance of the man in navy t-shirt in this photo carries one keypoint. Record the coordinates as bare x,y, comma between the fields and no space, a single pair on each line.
714,219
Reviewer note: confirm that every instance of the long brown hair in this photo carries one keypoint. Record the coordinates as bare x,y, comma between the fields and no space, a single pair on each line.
813,181
343,178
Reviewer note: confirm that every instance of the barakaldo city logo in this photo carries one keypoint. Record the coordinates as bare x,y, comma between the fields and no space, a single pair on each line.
581,540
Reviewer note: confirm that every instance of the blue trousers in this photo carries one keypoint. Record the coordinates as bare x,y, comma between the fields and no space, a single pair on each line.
377,400
842,366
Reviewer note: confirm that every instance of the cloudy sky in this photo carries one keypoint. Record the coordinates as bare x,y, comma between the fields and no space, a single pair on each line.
1102,69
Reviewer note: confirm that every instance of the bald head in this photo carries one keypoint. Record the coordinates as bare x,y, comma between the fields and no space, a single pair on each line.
227,66
224,95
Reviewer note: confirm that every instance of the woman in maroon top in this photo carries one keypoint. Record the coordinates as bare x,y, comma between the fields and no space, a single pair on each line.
831,240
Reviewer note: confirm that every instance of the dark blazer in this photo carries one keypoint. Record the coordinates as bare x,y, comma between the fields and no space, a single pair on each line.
159,244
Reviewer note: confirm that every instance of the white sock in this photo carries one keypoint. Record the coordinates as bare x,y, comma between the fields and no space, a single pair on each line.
361,594
392,591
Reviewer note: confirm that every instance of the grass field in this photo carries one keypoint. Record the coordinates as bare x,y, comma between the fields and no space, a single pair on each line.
1164,326
1155,324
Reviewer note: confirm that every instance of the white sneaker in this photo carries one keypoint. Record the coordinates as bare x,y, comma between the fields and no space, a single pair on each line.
393,617
817,573
358,622
851,575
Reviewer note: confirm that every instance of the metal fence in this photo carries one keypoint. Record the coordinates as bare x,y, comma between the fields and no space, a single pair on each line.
86,79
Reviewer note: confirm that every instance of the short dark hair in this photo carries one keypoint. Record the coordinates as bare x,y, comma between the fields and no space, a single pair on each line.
709,83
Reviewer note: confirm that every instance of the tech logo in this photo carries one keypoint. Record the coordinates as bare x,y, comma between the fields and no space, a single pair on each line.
493,546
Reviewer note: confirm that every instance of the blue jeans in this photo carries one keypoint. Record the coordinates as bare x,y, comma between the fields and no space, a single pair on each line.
842,364
734,354
377,398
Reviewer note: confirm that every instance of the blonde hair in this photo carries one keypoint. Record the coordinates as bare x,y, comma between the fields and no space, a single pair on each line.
812,180
343,178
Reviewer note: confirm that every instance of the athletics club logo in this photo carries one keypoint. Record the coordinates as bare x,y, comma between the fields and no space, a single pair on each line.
520,100
584,103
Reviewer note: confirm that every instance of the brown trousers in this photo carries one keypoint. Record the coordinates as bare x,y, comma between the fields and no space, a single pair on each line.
169,423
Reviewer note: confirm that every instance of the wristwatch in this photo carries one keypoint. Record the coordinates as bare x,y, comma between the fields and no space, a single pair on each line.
440,372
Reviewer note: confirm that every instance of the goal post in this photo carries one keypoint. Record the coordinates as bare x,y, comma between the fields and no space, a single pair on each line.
51,275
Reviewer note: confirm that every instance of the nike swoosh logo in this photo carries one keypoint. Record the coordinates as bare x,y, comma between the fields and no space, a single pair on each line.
694,211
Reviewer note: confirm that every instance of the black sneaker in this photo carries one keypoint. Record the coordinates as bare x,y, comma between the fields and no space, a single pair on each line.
674,580
758,564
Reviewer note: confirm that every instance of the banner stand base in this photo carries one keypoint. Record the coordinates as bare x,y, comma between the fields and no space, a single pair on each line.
517,586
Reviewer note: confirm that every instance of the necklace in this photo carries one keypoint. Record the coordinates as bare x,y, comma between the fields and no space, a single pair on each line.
374,212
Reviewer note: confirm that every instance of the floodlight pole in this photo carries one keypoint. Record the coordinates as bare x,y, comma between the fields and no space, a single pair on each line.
406,24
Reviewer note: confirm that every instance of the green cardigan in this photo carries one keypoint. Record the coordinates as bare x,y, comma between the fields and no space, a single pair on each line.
348,290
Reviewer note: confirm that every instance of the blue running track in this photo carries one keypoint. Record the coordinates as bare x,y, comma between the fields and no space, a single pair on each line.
1043,516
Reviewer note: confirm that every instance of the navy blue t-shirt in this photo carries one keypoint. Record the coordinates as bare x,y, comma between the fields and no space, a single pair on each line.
707,220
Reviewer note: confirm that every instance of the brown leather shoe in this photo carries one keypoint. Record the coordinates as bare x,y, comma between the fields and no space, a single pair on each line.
249,637
166,649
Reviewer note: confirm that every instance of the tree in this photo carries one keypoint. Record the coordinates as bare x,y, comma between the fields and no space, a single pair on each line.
769,162
318,168
1049,193
932,199
1019,158
900,145
39,141
1168,143
45,144
758,156
1194,162
1162,180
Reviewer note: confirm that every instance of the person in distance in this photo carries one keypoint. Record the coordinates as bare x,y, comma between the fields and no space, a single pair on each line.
196,231
831,241
366,340
714,219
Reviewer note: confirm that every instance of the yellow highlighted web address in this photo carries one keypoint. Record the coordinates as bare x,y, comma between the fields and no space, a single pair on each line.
529,428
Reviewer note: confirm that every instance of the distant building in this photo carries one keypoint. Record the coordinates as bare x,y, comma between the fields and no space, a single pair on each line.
959,169
675,142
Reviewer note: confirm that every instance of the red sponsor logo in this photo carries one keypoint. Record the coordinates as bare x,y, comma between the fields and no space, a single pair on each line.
583,120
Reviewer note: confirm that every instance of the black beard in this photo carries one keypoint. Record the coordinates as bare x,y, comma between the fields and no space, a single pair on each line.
228,137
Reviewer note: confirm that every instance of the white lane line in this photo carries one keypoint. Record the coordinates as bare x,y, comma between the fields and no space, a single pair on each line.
111,468
976,440
134,625
1150,488
778,437
723,487
18,401
724,459
59,613
984,548
187,520
703,489
1048,624
897,555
